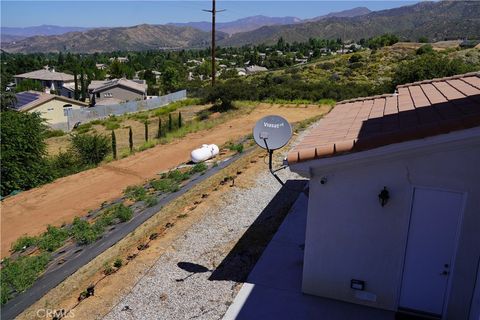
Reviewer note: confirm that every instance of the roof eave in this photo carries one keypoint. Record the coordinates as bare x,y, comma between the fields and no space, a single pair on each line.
426,145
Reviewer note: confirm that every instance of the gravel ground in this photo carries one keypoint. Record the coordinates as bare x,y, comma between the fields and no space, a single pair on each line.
159,294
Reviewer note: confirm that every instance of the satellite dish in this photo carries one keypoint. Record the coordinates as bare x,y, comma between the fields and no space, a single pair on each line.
272,132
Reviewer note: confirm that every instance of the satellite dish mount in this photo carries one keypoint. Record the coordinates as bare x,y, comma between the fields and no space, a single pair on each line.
272,133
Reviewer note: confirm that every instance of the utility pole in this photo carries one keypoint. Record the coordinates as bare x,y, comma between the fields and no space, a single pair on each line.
213,11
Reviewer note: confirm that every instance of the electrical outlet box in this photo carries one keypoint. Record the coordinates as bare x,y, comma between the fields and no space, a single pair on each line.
357,284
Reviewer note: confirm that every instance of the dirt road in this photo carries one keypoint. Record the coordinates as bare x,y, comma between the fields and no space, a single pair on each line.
58,202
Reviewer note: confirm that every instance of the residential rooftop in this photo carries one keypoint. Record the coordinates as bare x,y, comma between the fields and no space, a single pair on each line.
417,110
28,100
46,75
102,85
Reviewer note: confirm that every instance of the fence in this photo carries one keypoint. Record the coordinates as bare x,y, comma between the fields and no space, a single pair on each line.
98,112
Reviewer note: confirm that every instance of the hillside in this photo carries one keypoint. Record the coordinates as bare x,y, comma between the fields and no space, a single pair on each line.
355,12
43,30
435,20
136,38
255,22
241,25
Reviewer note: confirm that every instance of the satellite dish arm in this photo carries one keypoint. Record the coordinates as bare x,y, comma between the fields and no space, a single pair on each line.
270,166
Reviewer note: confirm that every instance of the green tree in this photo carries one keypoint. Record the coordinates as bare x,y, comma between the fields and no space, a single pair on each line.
7,100
91,149
23,152
28,84
429,66
170,79
423,39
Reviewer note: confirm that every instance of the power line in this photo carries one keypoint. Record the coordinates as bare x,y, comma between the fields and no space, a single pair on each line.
213,11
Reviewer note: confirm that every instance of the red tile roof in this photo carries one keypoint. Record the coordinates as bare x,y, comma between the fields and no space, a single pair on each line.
417,110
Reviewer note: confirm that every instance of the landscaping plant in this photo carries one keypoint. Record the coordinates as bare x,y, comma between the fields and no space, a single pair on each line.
114,145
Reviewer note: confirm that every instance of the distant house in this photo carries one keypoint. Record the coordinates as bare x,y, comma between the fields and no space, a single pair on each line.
241,71
119,59
49,78
255,69
53,108
117,90
101,66
393,214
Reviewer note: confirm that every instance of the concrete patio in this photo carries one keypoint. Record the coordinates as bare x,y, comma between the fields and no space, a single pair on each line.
273,288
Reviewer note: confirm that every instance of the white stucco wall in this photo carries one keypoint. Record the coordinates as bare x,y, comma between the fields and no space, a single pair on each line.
52,111
350,236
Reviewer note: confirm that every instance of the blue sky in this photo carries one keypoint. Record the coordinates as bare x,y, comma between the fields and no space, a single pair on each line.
126,13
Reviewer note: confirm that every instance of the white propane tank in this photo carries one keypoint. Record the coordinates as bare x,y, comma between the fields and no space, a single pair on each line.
207,151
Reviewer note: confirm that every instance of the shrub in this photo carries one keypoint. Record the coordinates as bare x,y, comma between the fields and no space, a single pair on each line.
355,58
91,149
236,147
199,167
429,66
118,263
21,273
23,242
150,201
165,185
107,269
84,128
65,163
123,213
204,114
135,193
177,175
52,239
54,133
83,232
426,48
147,145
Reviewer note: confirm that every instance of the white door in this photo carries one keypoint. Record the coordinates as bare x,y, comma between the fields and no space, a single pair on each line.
430,249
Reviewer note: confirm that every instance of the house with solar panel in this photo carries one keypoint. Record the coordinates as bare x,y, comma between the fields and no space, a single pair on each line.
49,78
393,216
53,108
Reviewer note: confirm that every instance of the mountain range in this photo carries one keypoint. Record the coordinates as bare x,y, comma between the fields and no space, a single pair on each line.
255,22
43,30
435,20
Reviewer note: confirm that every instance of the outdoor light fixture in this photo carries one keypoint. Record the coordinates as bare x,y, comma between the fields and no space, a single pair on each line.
384,196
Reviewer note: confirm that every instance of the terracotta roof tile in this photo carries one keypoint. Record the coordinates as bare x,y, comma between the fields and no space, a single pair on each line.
416,111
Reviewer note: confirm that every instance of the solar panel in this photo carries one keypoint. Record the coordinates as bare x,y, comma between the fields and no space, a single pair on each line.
25,98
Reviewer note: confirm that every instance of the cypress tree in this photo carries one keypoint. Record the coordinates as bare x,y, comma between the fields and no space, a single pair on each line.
170,122
130,139
75,79
82,86
146,130
179,119
159,133
114,145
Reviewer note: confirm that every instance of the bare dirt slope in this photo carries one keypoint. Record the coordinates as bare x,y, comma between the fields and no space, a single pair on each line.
58,202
